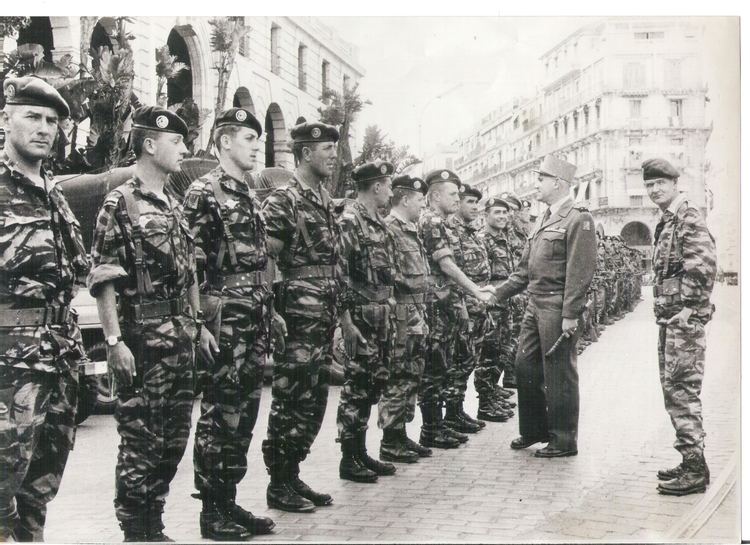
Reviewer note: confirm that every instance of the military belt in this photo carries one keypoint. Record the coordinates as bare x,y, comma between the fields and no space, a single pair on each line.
309,271
413,298
239,280
374,295
37,316
169,307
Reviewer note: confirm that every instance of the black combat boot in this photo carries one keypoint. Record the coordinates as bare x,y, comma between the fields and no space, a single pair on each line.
471,420
393,448
422,452
693,478
155,529
217,525
255,525
454,421
370,463
501,399
489,411
135,530
509,376
300,487
504,392
279,494
432,432
350,467
450,432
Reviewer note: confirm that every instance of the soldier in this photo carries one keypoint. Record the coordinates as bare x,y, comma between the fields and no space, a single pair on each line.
411,287
42,258
557,266
143,253
230,239
476,266
303,241
497,350
599,282
446,309
367,252
684,264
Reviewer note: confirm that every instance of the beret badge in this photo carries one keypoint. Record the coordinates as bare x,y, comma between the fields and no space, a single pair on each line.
315,132
162,122
416,185
383,169
444,175
10,92
241,115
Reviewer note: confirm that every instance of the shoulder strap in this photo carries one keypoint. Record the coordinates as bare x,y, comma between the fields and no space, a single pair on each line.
143,279
365,237
227,243
302,228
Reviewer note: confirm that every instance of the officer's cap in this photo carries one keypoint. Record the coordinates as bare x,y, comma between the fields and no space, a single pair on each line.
155,118
238,116
404,181
552,166
511,199
372,170
493,202
441,176
654,169
468,191
314,132
32,91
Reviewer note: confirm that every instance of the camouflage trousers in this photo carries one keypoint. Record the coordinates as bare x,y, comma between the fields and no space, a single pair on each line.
231,398
518,304
366,374
153,415
497,352
445,324
612,296
681,366
466,356
37,432
600,306
301,375
398,402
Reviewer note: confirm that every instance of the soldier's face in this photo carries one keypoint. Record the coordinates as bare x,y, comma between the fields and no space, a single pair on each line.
242,147
169,150
661,191
469,208
322,158
413,204
384,192
449,198
497,217
31,130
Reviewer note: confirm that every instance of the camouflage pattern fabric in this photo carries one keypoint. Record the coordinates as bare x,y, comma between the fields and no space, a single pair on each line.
518,239
684,249
153,416
41,257
398,402
301,372
232,388
367,251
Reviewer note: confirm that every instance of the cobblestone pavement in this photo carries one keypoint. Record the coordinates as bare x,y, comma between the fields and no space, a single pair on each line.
483,491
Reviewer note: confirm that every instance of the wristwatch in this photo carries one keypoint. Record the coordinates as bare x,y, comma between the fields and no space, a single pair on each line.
112,340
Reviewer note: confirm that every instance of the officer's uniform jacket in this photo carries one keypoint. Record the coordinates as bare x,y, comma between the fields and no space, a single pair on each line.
559,259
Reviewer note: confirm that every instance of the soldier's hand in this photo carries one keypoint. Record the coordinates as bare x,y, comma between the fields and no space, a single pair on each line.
279,333
682,317
569,326
121,363
487,297
208,345
352,339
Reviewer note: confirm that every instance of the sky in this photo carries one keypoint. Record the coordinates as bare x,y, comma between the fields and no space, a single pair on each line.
432,78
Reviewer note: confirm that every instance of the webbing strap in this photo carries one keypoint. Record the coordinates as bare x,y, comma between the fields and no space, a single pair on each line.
143,279
227,242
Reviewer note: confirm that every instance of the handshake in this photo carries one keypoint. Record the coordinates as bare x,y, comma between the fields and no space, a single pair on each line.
486,295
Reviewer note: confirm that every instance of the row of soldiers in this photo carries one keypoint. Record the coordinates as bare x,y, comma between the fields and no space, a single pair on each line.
615,289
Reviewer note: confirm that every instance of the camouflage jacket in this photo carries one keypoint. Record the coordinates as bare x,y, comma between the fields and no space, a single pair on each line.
476,262
168,249
41,258
412,265
304,226
440,241
240,214
518,239
684,249
367,251
499,253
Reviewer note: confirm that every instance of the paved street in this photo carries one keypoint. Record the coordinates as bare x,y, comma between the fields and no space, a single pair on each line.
483,491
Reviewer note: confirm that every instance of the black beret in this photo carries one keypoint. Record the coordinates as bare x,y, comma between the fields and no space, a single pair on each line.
372,170
468,191
407,182
32,91
238,116
658,168
314,132
512,200
155,118
495,201
441,176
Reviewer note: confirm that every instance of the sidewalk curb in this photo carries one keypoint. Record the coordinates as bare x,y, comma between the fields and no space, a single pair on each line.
692,521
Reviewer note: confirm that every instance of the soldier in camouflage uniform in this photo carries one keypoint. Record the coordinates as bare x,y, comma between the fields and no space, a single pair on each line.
230,238
519,231
497,352
610,281
303,240
446,309
143,253
684,264
476,266
41,258
367,252
599,282
411,287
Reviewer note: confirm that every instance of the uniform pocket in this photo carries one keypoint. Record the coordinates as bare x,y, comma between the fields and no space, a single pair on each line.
554,245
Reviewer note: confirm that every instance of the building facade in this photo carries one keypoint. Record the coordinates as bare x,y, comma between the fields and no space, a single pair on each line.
281,70
615,92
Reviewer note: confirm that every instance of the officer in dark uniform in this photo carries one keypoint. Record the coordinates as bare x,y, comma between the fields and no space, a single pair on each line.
557,266
41,259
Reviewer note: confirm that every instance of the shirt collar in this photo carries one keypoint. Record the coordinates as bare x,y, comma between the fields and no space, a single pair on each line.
674,206
554,208
396,214
13,167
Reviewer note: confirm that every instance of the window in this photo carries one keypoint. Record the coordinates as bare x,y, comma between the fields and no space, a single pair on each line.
676,141
347,83
634,75
244,48
673,73
325,76
275,56
634,141
675,107
575,121
586,115
302,67
635,109
557,130
565,126
649,35
636,200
